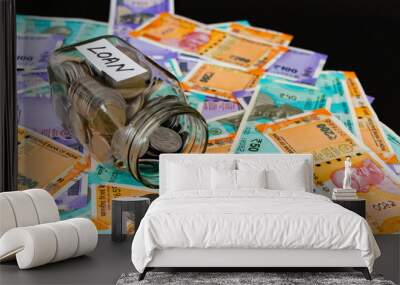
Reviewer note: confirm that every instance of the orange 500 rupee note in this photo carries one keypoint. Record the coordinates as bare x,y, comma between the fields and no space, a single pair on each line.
261,34
320,133
45,163
188,36
368,124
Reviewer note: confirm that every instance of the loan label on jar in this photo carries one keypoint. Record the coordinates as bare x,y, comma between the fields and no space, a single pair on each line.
107,58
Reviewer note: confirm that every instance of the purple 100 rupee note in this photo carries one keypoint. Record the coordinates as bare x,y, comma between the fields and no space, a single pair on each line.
134,13
37,113
75,197
31,79
187,63
151,50
217,108
34,50
299,65
244,96
211,107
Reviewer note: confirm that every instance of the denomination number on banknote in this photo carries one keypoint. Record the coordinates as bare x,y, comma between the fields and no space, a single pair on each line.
214,131
286,68
240,59
384,205
288,96
327,131
206,77
255,144
25,58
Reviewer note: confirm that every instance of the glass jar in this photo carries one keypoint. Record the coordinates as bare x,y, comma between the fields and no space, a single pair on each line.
123,106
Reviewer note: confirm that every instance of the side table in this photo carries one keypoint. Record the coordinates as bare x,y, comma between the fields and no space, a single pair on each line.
124,209
356,205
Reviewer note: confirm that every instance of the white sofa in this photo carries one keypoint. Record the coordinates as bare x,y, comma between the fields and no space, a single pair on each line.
31,231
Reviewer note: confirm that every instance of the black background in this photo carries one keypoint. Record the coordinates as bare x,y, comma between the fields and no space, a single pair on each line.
357,35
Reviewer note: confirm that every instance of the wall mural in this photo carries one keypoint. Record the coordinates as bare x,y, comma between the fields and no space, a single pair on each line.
95,133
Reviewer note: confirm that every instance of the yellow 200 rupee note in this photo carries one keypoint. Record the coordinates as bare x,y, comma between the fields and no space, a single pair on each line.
320,133
261,34
368,123
188,36
101,199
45,163
220,81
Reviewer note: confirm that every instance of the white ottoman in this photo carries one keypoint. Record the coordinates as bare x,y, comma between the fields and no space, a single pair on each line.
31,232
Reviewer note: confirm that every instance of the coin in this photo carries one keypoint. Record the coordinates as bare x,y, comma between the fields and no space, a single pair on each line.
151,153
108,119
61,57
165,140
134,90
101,148
143,148
173,123
78,127
67,70
119,143
103,107
75,70
133,106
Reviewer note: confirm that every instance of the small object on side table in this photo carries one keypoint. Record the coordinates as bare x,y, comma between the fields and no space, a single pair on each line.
356,205
344,194
127,212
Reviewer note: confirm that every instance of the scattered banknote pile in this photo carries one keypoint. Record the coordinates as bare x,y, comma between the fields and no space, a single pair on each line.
257,93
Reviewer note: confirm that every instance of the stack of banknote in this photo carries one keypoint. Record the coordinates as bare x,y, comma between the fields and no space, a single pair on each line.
257,93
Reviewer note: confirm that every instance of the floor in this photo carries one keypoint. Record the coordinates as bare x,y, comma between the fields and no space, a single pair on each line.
111,259
103,266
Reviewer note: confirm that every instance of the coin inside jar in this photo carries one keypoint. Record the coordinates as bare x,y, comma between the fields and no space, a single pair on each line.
103,107
165,140
124,108
75,70
144,147
108,119
78,127
100,148
133,106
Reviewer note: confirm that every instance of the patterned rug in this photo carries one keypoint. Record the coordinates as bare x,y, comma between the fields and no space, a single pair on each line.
243,278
